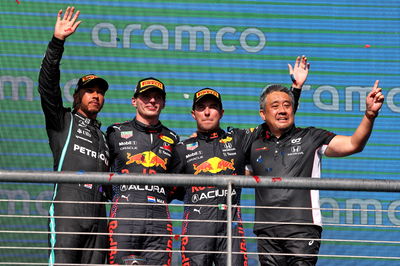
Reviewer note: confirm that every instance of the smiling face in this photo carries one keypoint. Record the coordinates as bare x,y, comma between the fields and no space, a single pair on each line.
207,113
91,102
278,112
148,106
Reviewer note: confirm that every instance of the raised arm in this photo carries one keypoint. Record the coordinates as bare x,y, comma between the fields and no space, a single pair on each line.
347,145
298,74
49,76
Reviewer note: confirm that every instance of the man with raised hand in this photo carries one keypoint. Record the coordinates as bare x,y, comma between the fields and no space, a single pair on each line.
284,150
214,151
77,144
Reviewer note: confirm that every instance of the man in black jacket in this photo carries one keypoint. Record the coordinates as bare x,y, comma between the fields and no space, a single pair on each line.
77,144
142,145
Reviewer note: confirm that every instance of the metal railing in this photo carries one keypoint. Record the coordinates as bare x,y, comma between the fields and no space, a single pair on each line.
376,185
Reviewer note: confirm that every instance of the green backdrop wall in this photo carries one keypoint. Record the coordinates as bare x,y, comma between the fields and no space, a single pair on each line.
236,47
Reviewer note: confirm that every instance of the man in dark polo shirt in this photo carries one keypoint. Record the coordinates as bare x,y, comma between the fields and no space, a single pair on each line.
283,149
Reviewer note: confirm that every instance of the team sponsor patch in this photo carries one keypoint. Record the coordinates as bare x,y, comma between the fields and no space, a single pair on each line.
295,150
214,135
193,154
151,199
228,147
206,91
211,194
214,165
167,147
126,134
296,141
84,132
82,123
89,186
225,140
152,82
192,146
149,188
89,77
166,139
127,143
147,159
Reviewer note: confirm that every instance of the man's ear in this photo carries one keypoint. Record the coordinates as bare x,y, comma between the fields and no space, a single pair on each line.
134,101
262,114
194,117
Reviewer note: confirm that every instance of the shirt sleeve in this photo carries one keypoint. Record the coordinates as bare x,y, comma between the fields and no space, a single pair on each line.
49,85
322,136
110,137
296,93
177,167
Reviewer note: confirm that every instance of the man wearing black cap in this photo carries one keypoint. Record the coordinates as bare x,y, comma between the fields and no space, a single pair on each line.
77,144
142,145
212,151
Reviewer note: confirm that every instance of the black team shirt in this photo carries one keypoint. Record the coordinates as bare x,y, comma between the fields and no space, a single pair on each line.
297,153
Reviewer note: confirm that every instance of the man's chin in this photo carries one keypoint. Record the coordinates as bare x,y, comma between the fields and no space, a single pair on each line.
153,115
207,128
94,111
285,128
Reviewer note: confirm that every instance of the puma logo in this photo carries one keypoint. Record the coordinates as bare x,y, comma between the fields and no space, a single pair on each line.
125,197
197,210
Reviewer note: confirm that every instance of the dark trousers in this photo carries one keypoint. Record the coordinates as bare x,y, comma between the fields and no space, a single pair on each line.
289,246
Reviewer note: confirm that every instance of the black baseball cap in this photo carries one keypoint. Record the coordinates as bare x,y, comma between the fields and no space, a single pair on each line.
149,83
90,81
206,92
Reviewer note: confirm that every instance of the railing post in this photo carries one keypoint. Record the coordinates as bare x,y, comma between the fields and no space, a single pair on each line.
229,225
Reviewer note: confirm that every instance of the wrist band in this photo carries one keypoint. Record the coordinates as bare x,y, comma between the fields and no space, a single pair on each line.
293,78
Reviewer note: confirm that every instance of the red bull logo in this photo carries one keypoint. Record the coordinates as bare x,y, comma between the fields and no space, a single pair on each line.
147,159
214,165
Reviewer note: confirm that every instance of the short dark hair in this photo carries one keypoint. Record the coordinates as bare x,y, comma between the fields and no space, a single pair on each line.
77,99
272,88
